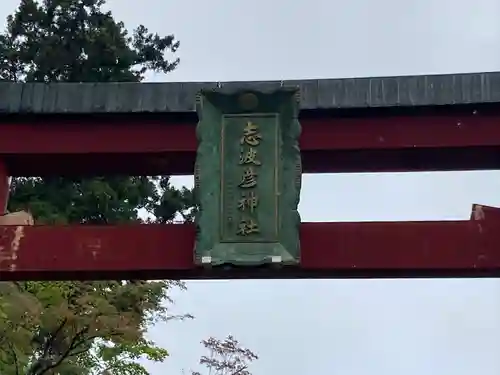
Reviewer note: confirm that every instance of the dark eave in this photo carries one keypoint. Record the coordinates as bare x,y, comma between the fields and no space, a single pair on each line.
372,92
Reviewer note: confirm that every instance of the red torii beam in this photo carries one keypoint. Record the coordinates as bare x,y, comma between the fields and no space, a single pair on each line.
143,144
353,136
329,250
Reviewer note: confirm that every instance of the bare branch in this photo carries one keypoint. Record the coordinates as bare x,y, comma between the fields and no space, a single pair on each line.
14,356
226,357
66,353
53,336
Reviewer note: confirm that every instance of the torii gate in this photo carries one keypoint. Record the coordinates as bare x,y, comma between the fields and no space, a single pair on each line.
414,123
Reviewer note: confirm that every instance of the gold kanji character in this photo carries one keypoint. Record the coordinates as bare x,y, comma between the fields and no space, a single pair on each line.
249,157
251,135
249,178
247,226
248,200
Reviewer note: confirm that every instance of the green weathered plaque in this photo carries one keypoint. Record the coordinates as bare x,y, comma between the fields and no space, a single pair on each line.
248,177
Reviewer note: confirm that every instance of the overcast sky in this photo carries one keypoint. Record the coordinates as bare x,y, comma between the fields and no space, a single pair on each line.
410,327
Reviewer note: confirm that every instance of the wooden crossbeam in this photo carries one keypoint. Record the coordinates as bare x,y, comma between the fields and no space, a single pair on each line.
334,250
452,139
342,132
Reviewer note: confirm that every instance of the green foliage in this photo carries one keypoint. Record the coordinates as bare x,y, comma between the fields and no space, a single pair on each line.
76,41
100,200
80,327
87,328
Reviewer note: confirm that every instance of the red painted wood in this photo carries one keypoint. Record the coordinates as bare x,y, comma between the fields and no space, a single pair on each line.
4,187
136,135
396,249
141,145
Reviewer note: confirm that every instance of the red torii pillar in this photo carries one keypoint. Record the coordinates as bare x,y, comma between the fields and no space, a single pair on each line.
4,187
139,129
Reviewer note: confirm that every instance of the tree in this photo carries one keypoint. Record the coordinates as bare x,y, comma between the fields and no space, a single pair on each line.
76,41
226,357
83,327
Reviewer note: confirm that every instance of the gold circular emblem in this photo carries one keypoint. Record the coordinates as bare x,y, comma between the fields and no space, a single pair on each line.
248,101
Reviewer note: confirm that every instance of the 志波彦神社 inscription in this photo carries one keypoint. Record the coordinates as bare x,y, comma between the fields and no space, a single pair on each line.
248,202
248,176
